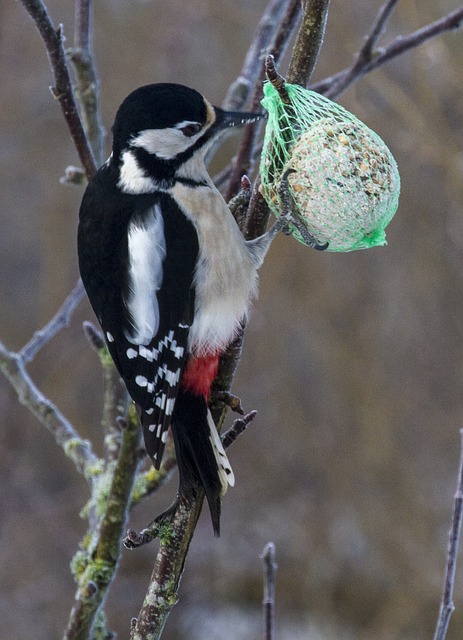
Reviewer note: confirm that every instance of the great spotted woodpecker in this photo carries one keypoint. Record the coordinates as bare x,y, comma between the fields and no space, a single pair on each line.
168,273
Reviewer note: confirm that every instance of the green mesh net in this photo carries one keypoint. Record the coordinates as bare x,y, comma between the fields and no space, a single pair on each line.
345,183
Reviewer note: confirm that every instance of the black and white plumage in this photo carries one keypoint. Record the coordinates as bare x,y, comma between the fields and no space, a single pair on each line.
168,273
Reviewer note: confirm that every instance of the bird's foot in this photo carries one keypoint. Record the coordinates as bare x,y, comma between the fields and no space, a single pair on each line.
290,218
154,530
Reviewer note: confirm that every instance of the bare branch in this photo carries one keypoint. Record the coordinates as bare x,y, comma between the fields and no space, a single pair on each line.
268,601
152,480
62,91
277,43
59,321
115,405
447,607
82,28
369,58
170,561
224,379
276,79
93,335
265,33
98,567
115,397
309,41
238,427
377,29
77,449
88,85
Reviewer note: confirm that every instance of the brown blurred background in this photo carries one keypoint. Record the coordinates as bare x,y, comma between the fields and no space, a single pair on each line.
353,361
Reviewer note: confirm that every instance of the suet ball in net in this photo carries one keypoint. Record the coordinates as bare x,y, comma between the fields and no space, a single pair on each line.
344,181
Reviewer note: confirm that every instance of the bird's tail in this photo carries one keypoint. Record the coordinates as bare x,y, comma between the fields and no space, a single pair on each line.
201,459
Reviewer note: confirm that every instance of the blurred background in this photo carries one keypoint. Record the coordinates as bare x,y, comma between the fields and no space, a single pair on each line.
353,361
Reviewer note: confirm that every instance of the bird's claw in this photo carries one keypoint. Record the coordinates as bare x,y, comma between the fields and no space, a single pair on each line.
134,539
289,219
231,401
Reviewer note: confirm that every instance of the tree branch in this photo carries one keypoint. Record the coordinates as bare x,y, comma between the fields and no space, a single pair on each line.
115,397
239,91
95,567
59,321
308,42
377,29
447,607
309,39
238,427
276,43
268,601
370,58
88,86
77,449
168,569
62,91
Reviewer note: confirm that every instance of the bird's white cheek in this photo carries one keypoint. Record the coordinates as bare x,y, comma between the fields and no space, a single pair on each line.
164,143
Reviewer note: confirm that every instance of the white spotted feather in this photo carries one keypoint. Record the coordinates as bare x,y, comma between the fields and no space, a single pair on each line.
226,475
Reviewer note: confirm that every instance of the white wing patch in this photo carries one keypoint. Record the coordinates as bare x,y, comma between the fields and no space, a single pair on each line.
147,250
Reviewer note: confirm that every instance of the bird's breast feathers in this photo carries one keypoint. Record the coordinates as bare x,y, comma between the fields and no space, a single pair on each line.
225,277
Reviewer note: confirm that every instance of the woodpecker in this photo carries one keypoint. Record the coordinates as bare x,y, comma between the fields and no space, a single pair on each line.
168,273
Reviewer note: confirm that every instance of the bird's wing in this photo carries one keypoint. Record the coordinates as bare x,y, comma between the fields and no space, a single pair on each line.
158,306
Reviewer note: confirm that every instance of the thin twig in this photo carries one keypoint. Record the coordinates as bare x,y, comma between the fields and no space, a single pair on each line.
268,600
240,203
82,27
377,30
277,46
62,91
339,82
115,405
238,92
238,427
223,382
151,481
60,320
115,397
88,85
93,335
77,449
367,51
277,80
447,607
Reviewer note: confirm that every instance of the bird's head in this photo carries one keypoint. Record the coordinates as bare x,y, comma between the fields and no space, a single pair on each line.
161,129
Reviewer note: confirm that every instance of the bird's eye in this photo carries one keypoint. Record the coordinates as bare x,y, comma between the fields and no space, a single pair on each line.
191,129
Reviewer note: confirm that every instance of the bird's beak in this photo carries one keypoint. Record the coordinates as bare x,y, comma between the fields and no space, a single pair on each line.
227,119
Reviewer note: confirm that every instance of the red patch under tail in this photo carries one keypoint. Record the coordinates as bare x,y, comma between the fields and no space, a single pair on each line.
199,374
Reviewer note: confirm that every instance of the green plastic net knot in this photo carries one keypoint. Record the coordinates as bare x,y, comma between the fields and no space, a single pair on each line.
345,183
